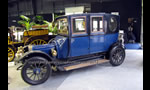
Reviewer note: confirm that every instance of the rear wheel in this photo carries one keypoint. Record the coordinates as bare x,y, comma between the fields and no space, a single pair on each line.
36,71
117,55
11,54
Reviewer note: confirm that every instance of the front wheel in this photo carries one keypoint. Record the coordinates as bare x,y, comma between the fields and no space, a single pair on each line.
36,71
117,55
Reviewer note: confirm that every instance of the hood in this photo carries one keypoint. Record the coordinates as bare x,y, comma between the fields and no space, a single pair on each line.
44,48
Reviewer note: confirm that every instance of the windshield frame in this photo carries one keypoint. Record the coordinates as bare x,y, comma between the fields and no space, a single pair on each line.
61,34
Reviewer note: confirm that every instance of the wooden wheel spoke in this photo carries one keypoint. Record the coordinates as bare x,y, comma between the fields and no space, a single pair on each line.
38,42
34,76
32,66
9,50
11,54
38,77
31,75
35,65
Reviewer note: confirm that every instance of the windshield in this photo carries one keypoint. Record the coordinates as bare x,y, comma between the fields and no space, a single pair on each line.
62,26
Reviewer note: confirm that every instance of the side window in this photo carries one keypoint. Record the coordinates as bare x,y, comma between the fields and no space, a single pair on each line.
79,25
94,24
97,24
101,24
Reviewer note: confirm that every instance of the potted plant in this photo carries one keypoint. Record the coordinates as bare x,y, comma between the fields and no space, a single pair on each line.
26,22
51,28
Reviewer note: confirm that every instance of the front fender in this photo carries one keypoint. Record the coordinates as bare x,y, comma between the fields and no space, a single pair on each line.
30,54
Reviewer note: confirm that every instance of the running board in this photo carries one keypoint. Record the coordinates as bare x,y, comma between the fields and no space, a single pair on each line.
83,64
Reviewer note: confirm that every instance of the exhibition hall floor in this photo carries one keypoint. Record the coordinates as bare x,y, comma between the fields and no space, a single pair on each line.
128,76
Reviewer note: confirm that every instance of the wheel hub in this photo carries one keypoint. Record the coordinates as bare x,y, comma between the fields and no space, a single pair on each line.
37,71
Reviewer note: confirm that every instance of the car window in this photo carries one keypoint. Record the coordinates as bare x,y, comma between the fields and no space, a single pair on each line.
112,24
97,24
62,26
79,25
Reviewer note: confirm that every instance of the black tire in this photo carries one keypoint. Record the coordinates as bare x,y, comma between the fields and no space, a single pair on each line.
116,55
36,65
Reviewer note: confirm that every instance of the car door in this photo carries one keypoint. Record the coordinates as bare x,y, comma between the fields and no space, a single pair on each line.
80,37
96,34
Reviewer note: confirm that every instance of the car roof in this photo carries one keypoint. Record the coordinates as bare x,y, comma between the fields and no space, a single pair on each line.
90,14
85,14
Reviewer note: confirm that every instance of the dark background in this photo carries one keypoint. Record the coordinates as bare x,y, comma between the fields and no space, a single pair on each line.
126,8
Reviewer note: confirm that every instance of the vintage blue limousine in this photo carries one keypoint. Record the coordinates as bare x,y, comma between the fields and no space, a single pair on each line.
82,40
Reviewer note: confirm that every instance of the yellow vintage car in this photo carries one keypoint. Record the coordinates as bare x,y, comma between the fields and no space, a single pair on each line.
18,37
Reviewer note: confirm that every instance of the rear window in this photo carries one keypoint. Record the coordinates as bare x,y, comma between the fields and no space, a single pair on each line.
112,24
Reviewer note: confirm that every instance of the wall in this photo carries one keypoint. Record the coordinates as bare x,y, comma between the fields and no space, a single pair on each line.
44,8
127,9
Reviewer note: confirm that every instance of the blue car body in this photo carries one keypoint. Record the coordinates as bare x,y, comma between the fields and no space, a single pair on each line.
86,43
73,45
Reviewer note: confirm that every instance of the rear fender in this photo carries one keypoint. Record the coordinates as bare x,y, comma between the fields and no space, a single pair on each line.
115,44
112,46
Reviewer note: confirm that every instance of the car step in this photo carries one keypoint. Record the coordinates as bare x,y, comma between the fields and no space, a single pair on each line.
82,64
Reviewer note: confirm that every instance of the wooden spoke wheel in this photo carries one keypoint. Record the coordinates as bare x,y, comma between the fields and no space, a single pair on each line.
36,70
38,42
117,56
11,54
